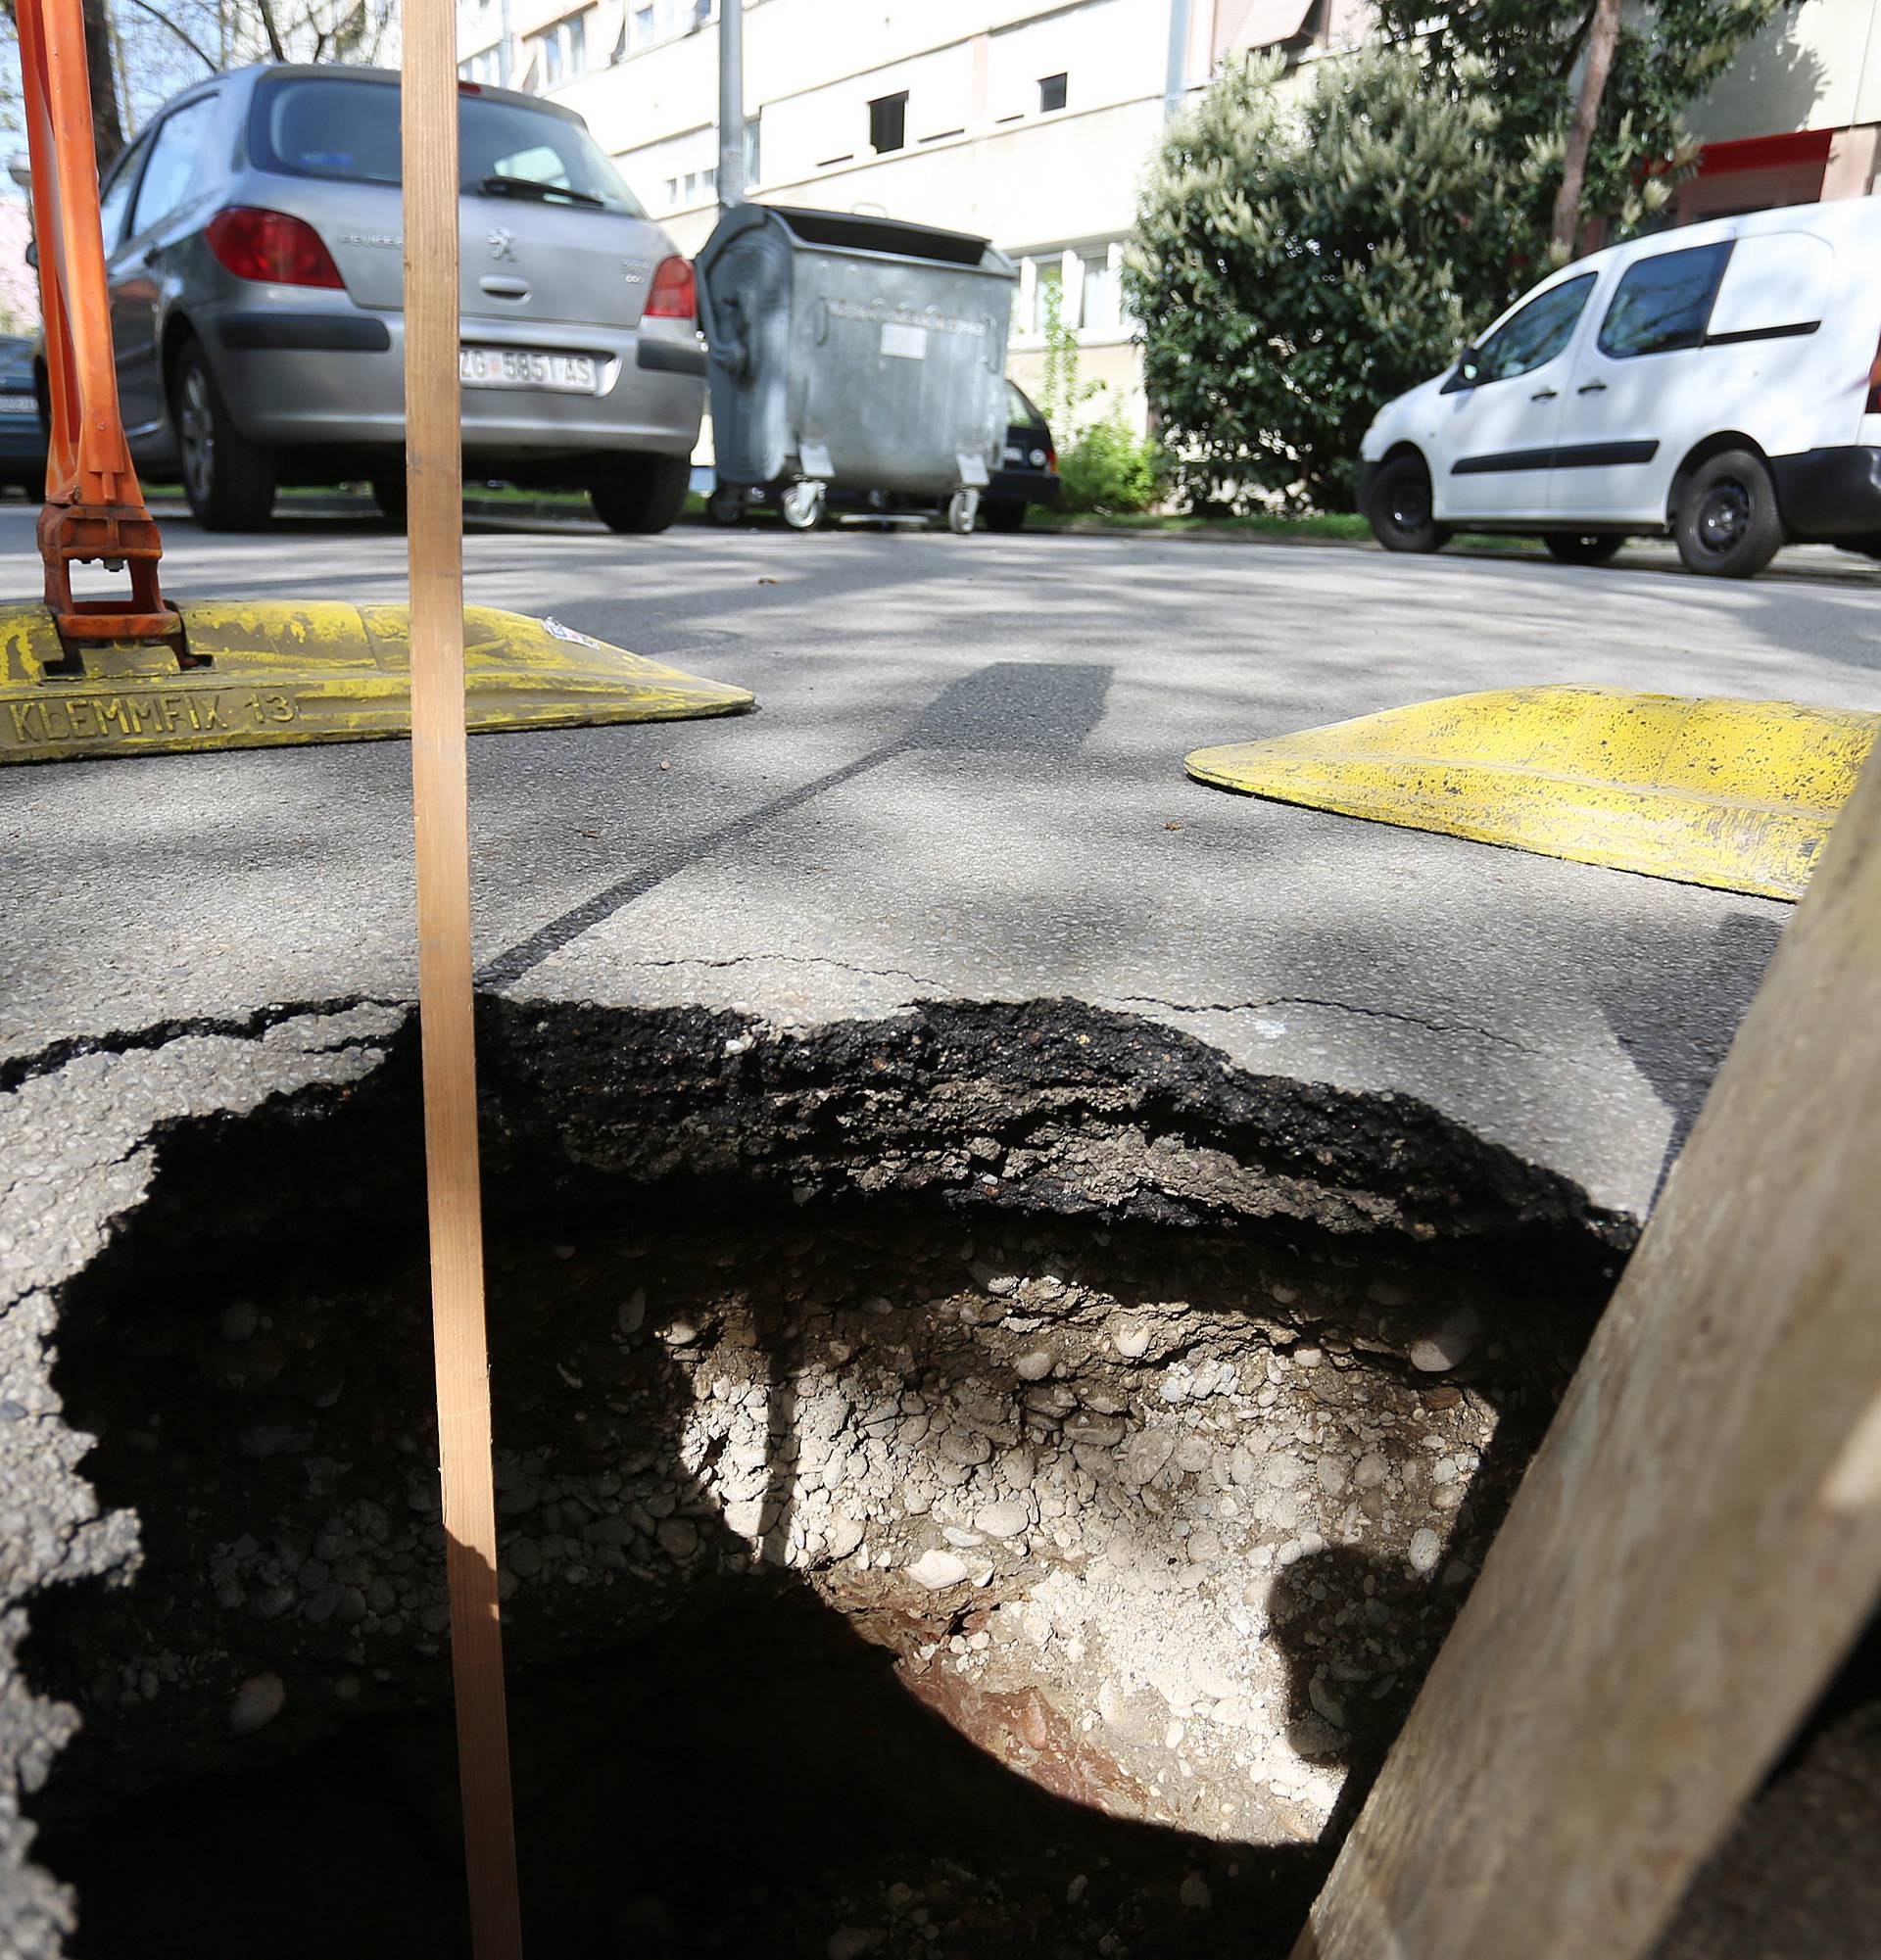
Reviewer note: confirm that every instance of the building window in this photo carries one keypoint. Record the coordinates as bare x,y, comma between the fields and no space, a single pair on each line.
680,170
486,67
647,22
889,123
755,149
1101,295
1051,93
1048,296
562,51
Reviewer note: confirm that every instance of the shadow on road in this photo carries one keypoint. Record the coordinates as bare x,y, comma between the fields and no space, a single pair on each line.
1006,708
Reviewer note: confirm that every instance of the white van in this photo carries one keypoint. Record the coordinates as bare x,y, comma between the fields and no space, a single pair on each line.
1722,383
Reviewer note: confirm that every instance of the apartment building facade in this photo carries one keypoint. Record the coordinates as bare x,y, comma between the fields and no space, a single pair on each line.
1029,124
1031,121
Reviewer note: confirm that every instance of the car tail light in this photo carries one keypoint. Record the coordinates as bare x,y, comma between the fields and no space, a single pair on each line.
671,297
1874,406
271,248
1051,457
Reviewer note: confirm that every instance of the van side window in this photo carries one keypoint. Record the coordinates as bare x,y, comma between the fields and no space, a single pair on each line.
1663,303
1534,336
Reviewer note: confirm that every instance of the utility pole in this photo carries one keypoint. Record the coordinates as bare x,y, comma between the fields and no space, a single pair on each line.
731,103
1175,82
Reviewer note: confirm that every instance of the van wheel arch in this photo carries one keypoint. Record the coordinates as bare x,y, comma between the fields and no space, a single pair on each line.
1698,456
1404,447
1394,478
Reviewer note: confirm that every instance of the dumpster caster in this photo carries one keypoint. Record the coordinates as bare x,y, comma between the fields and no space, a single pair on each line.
963,510
803,505
726,505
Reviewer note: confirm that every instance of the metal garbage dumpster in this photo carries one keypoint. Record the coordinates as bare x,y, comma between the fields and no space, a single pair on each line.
853,358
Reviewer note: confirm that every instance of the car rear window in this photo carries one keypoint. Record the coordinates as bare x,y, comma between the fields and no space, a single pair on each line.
1663,303
1019,407
338,127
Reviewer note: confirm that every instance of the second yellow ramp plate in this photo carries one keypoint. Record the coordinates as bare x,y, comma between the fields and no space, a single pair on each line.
1735,795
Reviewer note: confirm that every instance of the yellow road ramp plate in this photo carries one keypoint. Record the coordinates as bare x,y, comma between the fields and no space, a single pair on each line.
261,676
1736,794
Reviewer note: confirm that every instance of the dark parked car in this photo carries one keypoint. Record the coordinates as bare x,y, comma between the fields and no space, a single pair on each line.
23,435
1029,470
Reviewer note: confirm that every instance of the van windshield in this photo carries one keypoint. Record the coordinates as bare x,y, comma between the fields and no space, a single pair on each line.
337,126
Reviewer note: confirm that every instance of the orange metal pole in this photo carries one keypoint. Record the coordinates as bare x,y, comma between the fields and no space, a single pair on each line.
94,509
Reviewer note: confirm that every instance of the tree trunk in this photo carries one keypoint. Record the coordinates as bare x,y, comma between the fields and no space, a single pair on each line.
106,120
1603,35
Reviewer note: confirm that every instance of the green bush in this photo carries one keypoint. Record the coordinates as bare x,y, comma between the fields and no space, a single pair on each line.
1305,250
1109,471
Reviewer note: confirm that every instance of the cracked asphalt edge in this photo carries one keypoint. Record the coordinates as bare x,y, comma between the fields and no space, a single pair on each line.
78,1148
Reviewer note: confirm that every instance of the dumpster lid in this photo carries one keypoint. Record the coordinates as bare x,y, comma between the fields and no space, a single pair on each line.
853,232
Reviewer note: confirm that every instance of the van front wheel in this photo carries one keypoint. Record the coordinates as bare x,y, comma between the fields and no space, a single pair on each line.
1400,508
1727,525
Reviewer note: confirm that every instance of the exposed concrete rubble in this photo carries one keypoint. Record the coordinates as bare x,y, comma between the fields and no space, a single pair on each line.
1089,1518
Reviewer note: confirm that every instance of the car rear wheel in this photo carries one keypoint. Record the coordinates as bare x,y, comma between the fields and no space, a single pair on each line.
643,493
1728,526
388,492
1002,514
228,480
1400,508
1583,547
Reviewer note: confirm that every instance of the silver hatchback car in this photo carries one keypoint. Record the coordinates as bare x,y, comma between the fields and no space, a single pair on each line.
255,244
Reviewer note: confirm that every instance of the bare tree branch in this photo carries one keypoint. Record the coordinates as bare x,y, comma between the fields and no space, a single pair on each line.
164,20
273,34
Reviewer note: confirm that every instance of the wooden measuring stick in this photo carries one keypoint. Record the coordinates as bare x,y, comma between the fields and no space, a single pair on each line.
1699,1541
434,470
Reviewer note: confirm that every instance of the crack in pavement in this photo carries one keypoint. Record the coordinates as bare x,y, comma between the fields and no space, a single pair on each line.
1332,1006
803,960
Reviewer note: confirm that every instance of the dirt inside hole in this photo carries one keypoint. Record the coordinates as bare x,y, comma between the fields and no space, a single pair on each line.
878,1578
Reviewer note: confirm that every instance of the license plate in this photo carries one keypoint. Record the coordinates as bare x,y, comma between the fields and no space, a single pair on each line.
17,405
526,368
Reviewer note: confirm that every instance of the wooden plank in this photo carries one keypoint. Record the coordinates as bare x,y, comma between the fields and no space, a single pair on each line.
441,815
1699,1540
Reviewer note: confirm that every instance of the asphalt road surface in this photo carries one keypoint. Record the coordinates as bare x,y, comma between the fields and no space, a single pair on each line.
964,780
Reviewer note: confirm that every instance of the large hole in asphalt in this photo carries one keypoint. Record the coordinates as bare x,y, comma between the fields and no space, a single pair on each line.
892,1563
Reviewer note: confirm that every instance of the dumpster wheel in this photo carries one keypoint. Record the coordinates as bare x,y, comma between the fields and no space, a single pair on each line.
963,512
805,505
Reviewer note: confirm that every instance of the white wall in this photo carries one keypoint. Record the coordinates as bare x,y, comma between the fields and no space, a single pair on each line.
1818,66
